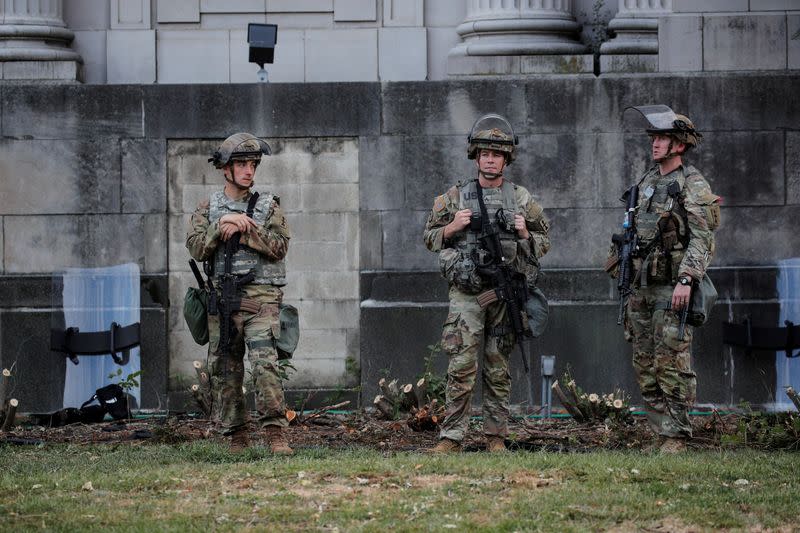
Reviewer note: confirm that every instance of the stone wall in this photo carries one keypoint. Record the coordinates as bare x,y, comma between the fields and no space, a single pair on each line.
730,35
99,175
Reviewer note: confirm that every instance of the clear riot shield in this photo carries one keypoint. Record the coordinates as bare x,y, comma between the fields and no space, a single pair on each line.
97,310
659,117
787,364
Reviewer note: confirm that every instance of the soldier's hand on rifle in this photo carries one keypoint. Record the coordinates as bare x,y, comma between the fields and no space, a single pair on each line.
680,296
521,227
231,224
460,221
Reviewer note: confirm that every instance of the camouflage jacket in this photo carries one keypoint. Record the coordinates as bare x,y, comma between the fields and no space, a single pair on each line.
446,206
270,240
699,211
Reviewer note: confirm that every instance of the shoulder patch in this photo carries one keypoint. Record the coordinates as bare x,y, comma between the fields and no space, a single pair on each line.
439,204
204,204
277,199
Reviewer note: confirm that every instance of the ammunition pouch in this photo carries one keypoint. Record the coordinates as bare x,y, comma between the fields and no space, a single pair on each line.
459,269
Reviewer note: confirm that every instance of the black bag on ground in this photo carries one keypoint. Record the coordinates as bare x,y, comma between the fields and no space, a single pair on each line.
113,400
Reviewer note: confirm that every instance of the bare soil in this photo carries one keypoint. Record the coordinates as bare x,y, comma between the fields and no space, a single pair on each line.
361,429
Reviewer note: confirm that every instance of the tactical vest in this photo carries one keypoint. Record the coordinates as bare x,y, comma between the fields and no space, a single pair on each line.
500,199
266,272
662,224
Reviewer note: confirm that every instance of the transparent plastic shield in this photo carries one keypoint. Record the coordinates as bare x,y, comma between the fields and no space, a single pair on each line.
91,299
787,369
493,121
658,117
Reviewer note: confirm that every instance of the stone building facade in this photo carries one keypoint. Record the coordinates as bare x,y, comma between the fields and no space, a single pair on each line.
204,41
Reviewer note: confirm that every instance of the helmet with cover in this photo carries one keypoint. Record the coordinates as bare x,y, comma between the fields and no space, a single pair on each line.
492,132
664,121
239,147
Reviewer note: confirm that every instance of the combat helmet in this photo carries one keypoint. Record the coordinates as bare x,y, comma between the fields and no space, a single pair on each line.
239,147
492,132
664,121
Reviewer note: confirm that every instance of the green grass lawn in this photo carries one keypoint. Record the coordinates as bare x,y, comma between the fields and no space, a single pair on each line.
201,486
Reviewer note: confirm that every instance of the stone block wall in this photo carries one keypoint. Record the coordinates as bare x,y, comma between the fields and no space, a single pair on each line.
98,175
730,35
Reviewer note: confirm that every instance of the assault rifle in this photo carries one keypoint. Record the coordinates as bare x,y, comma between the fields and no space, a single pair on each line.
509,286
627,244
228,300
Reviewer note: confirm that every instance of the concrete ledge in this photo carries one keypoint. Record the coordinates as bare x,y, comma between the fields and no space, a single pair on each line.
274,110
628,63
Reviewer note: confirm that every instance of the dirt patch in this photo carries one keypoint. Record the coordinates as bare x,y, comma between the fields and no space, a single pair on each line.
363,430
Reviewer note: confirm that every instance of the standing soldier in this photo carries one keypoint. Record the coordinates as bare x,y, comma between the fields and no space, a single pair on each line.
466,227
675,217
243,238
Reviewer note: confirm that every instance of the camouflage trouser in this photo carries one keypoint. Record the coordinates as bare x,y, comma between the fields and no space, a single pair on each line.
662,362
227,371
466,325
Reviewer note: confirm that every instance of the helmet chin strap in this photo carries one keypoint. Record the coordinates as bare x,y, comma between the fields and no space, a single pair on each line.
232,181
669,155
492,175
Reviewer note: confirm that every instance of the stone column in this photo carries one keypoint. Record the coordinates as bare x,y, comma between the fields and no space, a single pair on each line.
519,36
635,45
34,42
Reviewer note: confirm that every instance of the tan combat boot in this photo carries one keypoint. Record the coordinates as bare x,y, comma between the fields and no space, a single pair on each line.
495,444
240,440
445,446
277,441
673,445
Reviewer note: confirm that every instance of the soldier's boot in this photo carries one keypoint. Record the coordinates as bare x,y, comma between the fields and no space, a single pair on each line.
240,440
673,445
277,441
445,446
495,444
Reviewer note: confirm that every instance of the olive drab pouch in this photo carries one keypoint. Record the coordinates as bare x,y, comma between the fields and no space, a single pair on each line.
710,204
704,296
286,342
537,310
195,309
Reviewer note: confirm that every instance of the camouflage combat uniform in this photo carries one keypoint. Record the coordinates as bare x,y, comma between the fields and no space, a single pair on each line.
467,323
683,246
262,251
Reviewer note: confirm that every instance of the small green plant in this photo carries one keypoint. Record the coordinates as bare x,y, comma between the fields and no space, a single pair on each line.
285,369
436,384
766,430
352,367
129,382
592,407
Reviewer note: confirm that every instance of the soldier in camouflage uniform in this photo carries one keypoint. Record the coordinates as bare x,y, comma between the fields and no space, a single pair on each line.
263,244
675,226
523,236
